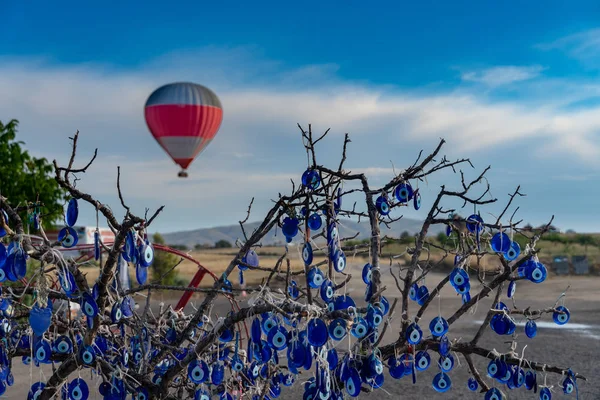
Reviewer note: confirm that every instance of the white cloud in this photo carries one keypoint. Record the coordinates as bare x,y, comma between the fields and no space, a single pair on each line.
584,46
258,147
503,75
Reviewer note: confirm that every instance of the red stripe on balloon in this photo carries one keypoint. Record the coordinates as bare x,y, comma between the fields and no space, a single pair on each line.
183,162
183,120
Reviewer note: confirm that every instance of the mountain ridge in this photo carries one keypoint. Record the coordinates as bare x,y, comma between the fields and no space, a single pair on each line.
347,228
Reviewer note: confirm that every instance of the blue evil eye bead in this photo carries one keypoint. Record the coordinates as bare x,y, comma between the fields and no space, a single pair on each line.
16,265
385,305
332,234
293,290
359,327
3,254
147,255
403,192
448,230
217,374
472,384
513,252
412,292
568,385
422,360
141,274
531,329
339,261
68,237
337,329
382,205
315,222
444,348
63,344
530,380
96,245
290,227
127,306
493,394
414,334
537,273
545,394
500,242
307,254
87,354
72,212
353,383
140,394
396,367
422,295
67,282
115,313
36,390
311,179
374,316
255,331
268,324
88,305
277,338
251,259
78,390
43,351
40,319
446,363
474,222
417,200
459,277
197,371
512,288
561,315
326,291
441,383
316,332
315,278
366,273
438,326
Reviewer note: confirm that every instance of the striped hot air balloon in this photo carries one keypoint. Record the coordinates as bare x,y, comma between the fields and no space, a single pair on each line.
183,117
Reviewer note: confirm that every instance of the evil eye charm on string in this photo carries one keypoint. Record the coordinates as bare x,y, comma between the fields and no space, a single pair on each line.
72,212
493,394
197,371
353,383
315,278
311,179
88,305
96,245
359,328
446,363
277,338
366,274
472,384
536,272
43,351
414,334
412,292
147,255
422,360
422,295
441,383
417,199
500,243
545,394
317,332
404,192
337,329
63,344
68,237
438,326
315,222
87,355
327,291
339,261
512,288
531,329
513,252
307,254
568,385
444,348
289,228
141,274
78,390
475,224
293,290
382,205
561,315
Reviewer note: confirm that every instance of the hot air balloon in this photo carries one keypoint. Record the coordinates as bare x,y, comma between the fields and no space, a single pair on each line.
183,117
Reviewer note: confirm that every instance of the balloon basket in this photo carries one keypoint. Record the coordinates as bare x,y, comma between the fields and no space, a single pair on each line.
182,174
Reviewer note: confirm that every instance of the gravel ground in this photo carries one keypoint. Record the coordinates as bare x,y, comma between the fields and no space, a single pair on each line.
575,345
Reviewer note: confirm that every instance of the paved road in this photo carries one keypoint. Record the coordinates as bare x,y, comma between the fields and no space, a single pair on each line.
575,345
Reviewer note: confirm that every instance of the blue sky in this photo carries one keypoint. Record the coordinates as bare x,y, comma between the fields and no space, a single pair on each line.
514,86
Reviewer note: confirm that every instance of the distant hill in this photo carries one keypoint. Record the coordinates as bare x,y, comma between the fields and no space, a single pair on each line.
209,236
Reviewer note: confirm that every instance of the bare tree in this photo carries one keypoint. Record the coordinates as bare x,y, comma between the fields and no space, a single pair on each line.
259,348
